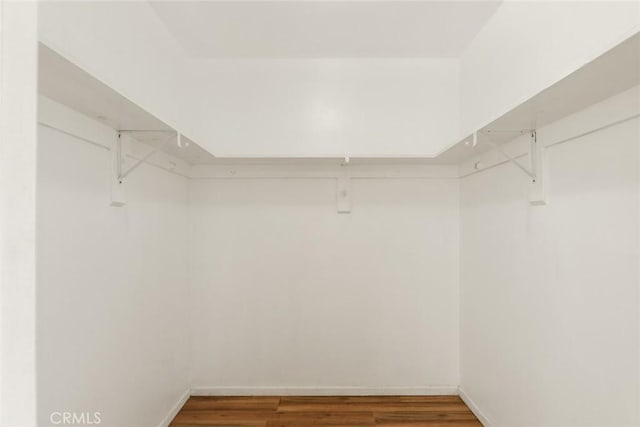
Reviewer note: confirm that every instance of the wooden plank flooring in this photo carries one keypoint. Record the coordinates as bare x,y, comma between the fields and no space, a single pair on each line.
288,411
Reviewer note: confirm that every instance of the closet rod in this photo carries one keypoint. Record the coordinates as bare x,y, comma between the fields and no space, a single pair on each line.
562,141
105,147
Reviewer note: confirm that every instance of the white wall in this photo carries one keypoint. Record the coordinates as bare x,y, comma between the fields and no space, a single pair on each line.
112,285
328,107
291,297
18,71
549,295
549,316
528,45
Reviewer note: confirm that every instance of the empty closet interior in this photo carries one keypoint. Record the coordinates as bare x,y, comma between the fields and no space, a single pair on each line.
339,198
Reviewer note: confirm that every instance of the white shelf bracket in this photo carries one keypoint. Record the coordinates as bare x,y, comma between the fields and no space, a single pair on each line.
537,154
530,173
344,188
125,173
537,194
118,196
118,173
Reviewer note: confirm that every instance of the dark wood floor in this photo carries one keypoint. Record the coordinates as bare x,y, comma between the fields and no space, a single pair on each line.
389,411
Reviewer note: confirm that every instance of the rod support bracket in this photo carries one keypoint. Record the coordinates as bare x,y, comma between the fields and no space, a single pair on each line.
537,168
118,173
537,155
343,189
118,195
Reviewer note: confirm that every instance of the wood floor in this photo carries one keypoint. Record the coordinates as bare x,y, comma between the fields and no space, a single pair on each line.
388,411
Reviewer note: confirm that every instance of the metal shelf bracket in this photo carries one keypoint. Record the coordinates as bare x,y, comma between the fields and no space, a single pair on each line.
537,154
118,173
537,167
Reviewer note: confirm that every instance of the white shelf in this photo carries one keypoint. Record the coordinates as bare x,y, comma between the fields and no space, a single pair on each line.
66,83
611,73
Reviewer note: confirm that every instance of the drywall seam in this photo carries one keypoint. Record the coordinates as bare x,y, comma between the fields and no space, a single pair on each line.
166,421
446,390
474,408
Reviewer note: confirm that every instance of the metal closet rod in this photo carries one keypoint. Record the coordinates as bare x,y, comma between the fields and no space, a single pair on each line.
103,146
562,141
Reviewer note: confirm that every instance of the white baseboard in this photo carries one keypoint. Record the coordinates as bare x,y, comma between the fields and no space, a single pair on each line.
474,408
322,391
175,409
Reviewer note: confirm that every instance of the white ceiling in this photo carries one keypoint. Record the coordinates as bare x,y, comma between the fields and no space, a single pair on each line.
324,29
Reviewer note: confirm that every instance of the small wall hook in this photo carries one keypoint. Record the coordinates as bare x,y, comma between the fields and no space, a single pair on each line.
180,142
473,142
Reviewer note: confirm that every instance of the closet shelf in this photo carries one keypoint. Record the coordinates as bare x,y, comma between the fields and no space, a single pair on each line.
607,75
66,83
611,73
